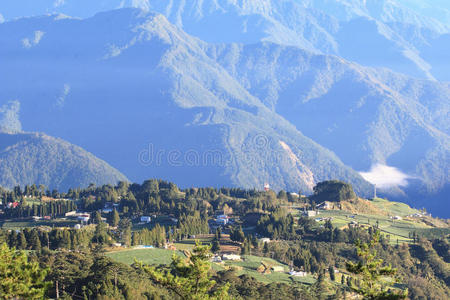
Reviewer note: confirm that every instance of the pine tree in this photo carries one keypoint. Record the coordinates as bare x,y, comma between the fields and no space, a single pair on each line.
35,242
115,218
20,279
189,278
97,217
215,247
332,275
370,270
21,241
320,287
125,232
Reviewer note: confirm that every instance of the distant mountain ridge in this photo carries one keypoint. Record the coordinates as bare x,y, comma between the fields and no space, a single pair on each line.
405,36
33,158
367,116
154,101
156,91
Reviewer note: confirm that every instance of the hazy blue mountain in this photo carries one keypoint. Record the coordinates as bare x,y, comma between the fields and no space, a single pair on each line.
382,33
143,95
367,116
32,158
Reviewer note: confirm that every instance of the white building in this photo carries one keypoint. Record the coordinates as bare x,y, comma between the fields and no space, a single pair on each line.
231,257
146,219
310,213
222,221
216,259
264,240
298,274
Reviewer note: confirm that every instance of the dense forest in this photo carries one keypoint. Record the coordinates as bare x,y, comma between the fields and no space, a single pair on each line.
75,266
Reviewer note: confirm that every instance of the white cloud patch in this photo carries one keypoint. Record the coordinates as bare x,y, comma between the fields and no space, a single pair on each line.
62,98
384,176
142,4
9,117
33,41
2,19
59,3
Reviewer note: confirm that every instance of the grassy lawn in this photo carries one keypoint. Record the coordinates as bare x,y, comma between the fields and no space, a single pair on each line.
147,256
397,229
9,224
247,266
395,208
250,264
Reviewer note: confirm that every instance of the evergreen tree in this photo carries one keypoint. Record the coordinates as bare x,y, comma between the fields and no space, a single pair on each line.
332,275
21,241
189,278
370,270
125,232
20,279
97,217
35,242
320,287
215,247
115,218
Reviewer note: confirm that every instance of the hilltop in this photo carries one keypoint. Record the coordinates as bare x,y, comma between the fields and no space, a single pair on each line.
35,158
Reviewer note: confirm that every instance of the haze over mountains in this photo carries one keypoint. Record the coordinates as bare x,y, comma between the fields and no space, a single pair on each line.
259,95
405,36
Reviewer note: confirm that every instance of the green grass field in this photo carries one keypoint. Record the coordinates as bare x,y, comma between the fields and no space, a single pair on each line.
248,265
396,229
147,256
394,208
9,224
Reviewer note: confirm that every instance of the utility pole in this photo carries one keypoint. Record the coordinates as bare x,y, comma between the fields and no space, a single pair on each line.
374,191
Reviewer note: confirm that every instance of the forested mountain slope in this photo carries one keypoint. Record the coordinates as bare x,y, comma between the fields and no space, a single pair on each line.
137,91
32,158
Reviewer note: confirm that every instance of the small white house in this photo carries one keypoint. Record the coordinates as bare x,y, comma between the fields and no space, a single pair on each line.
231,257
84,218
397,218
77,226
298,274
222,221
264,240
310,213
146,219
216,259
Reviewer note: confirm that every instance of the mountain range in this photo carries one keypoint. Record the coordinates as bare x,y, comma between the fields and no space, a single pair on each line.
240,93
406,36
